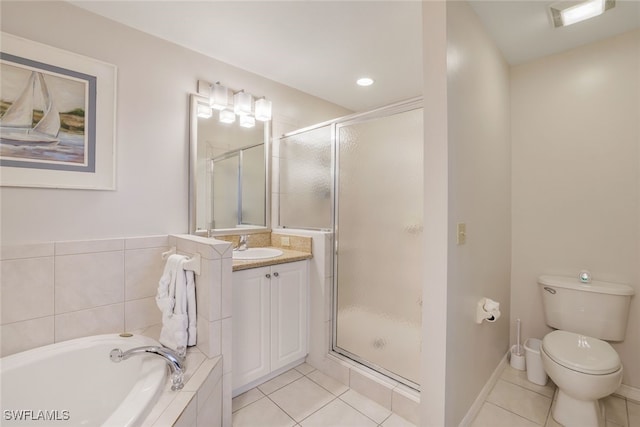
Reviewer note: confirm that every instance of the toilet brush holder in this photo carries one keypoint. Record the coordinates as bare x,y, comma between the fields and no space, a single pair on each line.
517,358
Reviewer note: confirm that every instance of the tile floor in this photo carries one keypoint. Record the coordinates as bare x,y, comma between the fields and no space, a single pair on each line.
516,402
305,397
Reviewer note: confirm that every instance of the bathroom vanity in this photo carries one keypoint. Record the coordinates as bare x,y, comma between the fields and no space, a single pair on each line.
270,311
270,308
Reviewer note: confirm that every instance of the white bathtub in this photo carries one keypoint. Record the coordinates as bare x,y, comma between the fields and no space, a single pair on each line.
74,383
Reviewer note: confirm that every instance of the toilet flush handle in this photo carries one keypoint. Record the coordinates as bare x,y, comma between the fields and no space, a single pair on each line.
550,290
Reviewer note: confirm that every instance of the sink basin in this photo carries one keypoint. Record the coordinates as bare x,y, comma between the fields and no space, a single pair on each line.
257,253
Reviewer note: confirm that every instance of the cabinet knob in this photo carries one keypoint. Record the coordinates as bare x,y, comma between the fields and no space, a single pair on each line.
276,274
268,276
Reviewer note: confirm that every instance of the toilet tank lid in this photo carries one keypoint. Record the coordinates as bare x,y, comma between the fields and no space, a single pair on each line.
594,286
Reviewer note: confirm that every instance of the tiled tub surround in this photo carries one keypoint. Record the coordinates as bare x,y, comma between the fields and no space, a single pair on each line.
199,403
57,291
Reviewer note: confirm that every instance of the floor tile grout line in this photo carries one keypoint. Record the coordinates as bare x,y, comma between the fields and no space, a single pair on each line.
256,388
323,387
347,403
517,415
291,416
528,389
279,388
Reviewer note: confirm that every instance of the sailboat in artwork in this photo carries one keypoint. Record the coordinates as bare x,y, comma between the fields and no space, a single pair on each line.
16,125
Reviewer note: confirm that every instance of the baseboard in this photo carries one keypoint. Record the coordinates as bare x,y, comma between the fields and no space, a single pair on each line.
628,392
477,404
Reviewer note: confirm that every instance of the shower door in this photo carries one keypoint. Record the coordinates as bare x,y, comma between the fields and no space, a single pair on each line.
379,242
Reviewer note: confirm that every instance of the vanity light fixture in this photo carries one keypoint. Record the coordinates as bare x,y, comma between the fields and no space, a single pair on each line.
231,103
204,111
565,13
247,121
364,81
218,96
242,103
227,116
263,109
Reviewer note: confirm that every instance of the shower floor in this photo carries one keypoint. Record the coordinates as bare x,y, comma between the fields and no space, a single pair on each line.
378,341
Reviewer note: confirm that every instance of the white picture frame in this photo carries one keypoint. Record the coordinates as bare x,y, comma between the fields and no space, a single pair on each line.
82,155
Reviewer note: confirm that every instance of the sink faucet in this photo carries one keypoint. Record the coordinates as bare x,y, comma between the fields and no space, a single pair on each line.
174,359
243,245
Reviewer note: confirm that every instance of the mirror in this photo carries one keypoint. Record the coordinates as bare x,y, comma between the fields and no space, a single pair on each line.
229,167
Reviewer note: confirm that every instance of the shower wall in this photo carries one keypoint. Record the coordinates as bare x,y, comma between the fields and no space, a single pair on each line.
361,177
379,242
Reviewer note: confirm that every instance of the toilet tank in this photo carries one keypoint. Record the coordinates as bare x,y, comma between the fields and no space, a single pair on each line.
596,309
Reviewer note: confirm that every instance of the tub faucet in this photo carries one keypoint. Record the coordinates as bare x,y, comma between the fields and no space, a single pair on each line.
175,360
243,245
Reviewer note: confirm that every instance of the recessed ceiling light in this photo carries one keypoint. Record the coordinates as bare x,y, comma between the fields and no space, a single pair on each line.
569,12
364,81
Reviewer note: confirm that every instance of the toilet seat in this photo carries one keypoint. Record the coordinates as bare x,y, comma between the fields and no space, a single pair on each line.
581,353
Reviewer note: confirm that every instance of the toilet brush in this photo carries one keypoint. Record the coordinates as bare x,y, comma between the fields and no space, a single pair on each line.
518,346
517,357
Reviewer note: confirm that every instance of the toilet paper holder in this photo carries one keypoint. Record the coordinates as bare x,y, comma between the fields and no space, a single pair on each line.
487,309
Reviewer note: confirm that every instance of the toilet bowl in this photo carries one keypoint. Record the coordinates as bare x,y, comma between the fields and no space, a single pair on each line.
585,369
576,356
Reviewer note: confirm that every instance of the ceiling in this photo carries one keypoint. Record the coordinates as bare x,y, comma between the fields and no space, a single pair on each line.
322,47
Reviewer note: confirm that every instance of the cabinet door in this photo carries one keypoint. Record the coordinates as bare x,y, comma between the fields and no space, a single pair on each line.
251,344
289,283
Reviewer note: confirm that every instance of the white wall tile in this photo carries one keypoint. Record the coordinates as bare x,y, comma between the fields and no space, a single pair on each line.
88,280
210,410
208,289
406,403
21,336
142,271
335,369
141,313
146,242
207,247
226,303
181,412
27,251
226,399
372,387
26,286
209,337
88,246
227,343
95,321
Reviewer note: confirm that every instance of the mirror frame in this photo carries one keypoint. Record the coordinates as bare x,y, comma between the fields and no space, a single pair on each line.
194,100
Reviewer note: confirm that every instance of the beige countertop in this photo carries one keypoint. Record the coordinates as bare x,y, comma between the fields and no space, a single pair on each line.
289,255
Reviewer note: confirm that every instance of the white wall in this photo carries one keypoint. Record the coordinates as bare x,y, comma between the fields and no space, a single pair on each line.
576,177
470,158
479,195
154,78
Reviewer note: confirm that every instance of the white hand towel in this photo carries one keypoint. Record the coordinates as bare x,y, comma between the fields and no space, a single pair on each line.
173,304
191,307
164,300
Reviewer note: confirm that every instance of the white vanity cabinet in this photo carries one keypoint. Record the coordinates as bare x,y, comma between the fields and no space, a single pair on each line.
270,311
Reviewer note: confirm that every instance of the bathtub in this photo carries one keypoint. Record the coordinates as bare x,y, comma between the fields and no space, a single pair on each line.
74,383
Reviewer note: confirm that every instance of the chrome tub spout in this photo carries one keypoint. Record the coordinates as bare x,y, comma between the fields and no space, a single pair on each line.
175,360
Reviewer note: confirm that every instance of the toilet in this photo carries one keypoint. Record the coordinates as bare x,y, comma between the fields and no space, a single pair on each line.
577,356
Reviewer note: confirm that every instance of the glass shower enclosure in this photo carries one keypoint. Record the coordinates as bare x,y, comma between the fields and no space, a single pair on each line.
368,189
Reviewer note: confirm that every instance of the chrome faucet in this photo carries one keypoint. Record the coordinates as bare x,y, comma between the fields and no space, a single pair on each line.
174,359
243,245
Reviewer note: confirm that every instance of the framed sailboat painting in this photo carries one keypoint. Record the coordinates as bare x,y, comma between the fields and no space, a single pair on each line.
57,117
